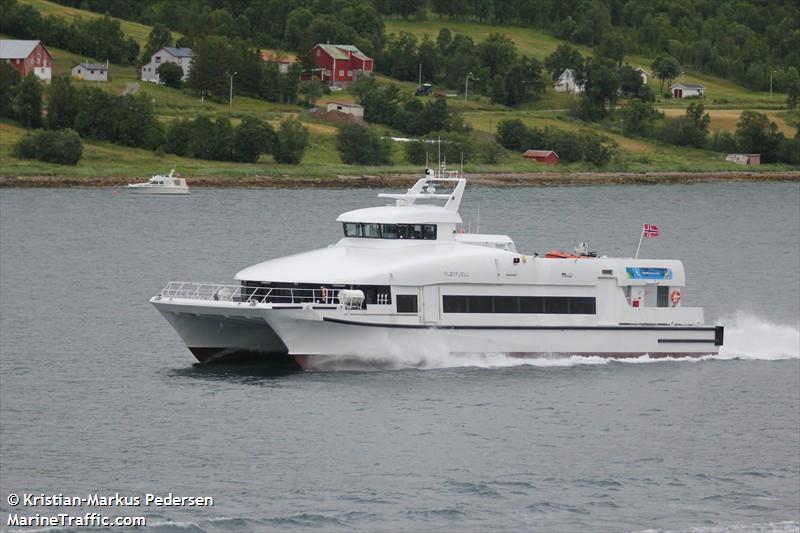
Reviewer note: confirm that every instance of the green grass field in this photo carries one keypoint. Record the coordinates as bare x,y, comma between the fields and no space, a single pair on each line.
322,159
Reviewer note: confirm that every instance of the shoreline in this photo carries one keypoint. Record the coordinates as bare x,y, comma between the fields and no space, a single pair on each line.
527,179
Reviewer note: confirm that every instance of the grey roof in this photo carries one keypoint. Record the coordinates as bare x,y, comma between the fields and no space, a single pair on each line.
92,66
338,51
178,52
688,85
16,49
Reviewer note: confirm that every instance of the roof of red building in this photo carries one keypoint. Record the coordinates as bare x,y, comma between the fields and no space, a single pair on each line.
538,153
17,49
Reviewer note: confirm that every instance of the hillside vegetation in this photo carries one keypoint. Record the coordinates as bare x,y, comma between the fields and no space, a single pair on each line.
482,113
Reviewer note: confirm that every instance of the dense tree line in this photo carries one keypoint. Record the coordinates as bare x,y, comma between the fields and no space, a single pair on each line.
744,40
570,146
101,38
385,104
493,66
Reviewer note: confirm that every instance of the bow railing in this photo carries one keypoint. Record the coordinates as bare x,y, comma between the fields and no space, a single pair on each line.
193,290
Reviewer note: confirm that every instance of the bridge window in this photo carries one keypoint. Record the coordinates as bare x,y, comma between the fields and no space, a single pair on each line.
406,303
367,230
552,305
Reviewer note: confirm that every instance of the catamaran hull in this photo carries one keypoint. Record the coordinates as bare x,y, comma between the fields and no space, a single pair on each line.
300,337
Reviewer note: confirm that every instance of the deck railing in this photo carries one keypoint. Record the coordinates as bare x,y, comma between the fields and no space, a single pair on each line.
193,290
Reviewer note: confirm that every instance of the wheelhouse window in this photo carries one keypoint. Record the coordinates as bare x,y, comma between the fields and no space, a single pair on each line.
406,303
552,305
390,231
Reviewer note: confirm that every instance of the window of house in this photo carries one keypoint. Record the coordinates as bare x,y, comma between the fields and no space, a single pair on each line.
92,72
349,72
158,59
406,303
318,52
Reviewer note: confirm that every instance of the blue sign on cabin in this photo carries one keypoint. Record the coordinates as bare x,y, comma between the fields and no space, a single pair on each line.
648,273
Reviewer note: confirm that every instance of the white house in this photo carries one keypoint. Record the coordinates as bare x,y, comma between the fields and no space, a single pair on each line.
568,83
644,74
90,71
169,54
687,90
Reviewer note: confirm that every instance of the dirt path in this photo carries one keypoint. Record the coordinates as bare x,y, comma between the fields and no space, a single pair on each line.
405,180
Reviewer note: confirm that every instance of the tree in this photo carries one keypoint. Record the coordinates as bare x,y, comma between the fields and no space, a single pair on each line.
291,142
359,145
512,134
62,146
793,93
600,88
696,113
638,118
251,138
497,53
171,74
630,82
755,133
666,68
209,73
612,47
310,90
62,104
563,58
9,78
27,102
159,37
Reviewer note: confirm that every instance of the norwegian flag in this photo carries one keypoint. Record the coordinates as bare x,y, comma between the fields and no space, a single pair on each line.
650,230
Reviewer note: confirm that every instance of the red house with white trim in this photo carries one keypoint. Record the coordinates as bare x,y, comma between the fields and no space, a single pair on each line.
27,57
340,64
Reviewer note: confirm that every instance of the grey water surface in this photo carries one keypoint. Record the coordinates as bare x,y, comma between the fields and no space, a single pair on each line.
99,396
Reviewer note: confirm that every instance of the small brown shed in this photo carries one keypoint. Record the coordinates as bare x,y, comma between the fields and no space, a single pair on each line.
547,157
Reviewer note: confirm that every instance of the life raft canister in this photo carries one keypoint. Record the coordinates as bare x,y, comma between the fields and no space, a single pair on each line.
324,295
675,297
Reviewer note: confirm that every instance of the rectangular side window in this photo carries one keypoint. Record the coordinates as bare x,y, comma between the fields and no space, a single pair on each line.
406,303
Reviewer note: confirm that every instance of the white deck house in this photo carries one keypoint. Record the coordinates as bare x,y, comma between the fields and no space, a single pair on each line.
90,71
567,83
169,54
687,90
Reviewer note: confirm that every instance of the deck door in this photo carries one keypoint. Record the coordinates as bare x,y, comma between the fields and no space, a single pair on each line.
430,304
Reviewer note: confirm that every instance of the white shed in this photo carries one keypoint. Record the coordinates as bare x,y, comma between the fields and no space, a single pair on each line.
687,90
355,110
90,71
644,74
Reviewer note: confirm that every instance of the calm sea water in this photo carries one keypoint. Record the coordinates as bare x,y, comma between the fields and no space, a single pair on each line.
99,395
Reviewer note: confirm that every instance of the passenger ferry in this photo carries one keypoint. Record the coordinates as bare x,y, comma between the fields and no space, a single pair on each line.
406,275
170,184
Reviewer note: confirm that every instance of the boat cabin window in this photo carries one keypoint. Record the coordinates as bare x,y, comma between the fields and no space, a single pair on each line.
367,230
560,305
406,303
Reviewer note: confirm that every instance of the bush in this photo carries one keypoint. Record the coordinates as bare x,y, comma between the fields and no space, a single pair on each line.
491,152
171,75
52,146
359,145
291,142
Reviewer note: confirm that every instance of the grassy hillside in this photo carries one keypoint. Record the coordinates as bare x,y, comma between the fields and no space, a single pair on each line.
322,159
539,44
139,32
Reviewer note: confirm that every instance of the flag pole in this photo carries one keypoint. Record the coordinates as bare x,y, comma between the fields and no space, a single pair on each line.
641,236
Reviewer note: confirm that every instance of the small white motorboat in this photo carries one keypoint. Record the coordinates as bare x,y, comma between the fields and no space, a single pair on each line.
171,184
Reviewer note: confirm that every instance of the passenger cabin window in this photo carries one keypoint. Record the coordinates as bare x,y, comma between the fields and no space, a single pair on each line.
559,305
662,296
390,231
406,303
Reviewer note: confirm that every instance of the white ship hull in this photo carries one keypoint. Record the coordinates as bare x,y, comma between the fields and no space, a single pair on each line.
298,336
157,190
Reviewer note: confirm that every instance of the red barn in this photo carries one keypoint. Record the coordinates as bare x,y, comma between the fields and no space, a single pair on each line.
341,64
27,57
547,157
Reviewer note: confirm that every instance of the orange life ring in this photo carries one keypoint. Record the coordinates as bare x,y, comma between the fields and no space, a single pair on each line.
675,297
324,295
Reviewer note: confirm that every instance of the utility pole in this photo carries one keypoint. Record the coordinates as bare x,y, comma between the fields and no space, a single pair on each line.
230,97
466,85
420,75
770,82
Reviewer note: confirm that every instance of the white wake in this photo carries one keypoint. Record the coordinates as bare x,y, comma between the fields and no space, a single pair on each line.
746,337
